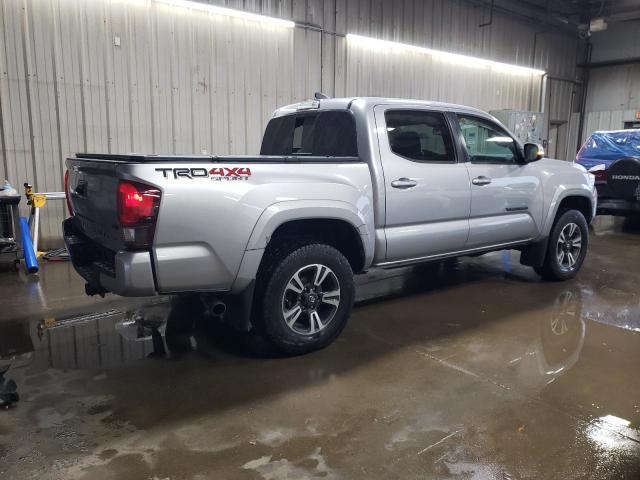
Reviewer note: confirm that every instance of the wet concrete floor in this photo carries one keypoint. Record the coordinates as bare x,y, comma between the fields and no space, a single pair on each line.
470,369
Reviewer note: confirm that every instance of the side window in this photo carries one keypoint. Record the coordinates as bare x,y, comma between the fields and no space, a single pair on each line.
486,142
322,134
419,135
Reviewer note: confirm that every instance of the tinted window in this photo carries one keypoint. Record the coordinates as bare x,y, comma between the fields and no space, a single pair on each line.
303,135
324,134
486,142
278,136
419,135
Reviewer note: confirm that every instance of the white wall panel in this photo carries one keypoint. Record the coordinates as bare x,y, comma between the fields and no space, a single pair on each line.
188,82
607,120
614,88
559,100
405,74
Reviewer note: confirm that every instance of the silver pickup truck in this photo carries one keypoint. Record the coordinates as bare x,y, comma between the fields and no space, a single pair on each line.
340,186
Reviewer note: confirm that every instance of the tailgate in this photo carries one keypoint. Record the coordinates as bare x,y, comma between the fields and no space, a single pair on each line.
93,192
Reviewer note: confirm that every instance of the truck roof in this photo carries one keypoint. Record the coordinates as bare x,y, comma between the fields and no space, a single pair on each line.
345,103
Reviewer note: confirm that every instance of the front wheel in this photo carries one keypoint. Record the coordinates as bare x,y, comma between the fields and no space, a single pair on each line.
567,247
307,297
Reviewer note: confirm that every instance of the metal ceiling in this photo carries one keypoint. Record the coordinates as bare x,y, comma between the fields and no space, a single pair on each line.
565,15
584,10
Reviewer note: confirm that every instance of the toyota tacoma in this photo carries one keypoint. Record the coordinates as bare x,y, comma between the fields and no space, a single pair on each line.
271,243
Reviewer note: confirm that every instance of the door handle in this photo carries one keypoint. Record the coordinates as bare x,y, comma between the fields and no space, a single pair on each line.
481,180
404,183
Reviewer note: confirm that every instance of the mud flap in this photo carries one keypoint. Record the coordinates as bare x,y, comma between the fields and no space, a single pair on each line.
533,255
238,308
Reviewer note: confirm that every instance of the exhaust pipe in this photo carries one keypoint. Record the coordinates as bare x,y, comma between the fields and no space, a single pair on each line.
218,308
213,306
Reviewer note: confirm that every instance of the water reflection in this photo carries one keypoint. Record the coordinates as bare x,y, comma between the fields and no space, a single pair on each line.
544,351
613,434
562,334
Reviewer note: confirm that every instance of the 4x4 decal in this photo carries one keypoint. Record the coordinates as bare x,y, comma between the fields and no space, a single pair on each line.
216,173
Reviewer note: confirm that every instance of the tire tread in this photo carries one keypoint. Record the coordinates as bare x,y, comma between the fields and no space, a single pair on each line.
277,260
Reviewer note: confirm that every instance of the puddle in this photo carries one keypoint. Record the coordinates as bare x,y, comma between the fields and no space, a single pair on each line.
82,342
460,349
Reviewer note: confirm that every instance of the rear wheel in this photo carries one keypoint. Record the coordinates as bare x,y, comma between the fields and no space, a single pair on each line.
567,247
306,292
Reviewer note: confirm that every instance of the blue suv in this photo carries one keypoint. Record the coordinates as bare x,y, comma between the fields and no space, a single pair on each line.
614,159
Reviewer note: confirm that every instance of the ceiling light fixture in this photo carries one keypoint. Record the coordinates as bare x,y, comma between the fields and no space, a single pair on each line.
455,58
228,12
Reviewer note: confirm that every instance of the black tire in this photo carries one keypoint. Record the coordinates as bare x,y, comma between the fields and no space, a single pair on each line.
279,267
552,269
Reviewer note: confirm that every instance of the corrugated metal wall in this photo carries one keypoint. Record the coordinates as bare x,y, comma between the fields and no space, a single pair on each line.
188,82
613,96
393,73
607,120
614,88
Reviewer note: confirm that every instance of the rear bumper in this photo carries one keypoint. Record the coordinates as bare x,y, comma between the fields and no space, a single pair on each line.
125,273
618,206
609,204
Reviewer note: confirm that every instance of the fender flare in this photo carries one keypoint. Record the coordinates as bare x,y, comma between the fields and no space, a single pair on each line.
282,212
560,194
279,213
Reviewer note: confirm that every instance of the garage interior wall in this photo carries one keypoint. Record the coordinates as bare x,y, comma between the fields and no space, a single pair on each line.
613,95
123,76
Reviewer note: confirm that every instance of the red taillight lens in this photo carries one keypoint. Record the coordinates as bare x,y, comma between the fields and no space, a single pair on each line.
66,192
601,175
137,204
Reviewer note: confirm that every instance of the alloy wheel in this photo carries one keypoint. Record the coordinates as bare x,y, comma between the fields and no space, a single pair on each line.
569,246
311,299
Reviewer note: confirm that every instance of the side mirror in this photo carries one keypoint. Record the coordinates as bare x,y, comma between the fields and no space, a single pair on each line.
533,152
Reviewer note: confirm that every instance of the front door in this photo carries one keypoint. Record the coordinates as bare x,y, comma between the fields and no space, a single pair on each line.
427,190
506,194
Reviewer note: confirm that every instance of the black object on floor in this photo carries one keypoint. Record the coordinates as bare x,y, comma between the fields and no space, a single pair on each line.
8,389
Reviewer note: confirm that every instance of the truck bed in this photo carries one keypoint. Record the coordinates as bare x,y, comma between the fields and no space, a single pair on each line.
142,158
208,212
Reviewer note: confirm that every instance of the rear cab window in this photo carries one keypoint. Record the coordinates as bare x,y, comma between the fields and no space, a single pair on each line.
330,133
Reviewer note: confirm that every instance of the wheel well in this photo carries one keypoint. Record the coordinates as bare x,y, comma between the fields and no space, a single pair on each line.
338,233
580,203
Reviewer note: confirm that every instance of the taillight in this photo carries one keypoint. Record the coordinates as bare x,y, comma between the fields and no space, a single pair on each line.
66,192
599,172
138,206
601,175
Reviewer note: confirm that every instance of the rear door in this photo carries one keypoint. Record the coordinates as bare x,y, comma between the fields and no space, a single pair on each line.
506,194
427,190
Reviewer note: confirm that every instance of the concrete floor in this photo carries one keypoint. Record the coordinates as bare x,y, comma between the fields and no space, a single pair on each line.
468,370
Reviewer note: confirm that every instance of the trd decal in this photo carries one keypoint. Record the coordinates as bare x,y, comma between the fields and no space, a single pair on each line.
217,174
